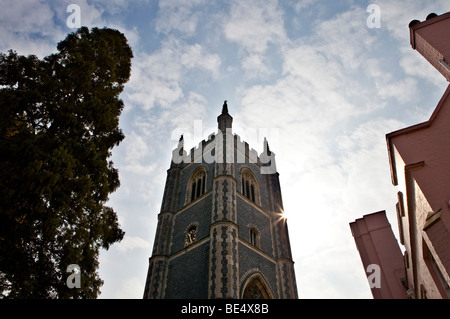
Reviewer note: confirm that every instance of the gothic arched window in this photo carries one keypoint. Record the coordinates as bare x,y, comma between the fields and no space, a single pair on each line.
254,237
249,186
257,288
197,184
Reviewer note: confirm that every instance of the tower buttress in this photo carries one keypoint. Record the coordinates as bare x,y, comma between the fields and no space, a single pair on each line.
224,238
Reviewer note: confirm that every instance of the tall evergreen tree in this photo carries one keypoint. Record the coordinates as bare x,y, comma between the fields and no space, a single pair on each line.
59,120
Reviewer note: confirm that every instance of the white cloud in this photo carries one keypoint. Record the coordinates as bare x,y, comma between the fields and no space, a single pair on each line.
35,27
256,66
178,16
417,66
396,16
195,56
156,78
131,288
345,37
403,91
27,17
363,157
137,155
92,15
116,7
302,4
255,24
308,73
136,148
132,242
343,180
335,272
27,27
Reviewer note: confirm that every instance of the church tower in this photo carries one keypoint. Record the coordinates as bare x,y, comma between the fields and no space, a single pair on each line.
221,231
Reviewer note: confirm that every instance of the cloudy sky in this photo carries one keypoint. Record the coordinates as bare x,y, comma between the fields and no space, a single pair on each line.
315,77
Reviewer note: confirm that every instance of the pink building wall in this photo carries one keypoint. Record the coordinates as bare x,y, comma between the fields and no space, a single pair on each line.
431,38
420,167
419,158
377,245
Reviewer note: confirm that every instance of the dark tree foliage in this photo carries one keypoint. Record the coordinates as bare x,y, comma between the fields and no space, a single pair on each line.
59,120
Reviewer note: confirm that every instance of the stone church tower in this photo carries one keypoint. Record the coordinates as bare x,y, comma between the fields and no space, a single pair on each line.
221,231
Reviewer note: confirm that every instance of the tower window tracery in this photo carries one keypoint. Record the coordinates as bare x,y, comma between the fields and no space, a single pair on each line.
197,185
249,185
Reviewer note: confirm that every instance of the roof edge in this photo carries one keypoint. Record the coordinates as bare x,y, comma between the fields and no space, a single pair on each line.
414,25
411,129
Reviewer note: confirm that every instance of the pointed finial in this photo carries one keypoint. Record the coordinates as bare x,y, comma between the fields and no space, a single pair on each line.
225,107
225,120
266,146
181,145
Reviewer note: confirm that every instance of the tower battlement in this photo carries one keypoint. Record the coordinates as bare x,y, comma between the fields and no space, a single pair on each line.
238,151
224,147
